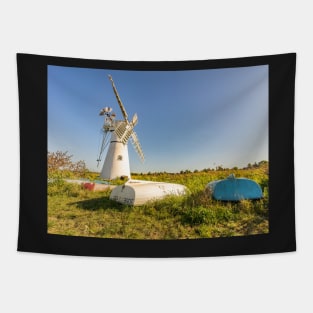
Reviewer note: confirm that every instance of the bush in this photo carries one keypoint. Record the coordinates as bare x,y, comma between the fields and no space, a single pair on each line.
60,165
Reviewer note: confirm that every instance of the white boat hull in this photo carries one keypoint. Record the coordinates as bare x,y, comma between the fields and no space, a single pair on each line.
139,192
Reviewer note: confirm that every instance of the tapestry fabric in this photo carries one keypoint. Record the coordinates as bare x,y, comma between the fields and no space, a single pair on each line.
156,158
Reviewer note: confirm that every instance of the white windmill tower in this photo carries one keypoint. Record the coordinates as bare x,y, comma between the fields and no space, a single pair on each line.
116,134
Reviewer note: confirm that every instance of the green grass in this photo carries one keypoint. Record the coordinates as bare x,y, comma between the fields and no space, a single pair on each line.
78,212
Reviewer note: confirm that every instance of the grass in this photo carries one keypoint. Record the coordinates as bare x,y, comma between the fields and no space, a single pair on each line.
78,212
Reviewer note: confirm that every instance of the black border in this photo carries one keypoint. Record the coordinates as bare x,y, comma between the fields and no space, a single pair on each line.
33,237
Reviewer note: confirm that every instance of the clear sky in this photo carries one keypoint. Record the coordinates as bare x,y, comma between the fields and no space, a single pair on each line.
187,119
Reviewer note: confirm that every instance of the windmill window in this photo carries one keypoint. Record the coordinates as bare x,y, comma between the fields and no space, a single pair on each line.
119,158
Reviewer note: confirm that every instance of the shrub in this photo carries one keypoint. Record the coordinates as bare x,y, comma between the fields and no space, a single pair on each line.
60,165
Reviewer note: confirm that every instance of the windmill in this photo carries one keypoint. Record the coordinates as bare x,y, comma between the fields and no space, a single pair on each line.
116,134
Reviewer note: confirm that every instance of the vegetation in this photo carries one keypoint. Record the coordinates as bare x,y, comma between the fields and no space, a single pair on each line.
60,165
75,211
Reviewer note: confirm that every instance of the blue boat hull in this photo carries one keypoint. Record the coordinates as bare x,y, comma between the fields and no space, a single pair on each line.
235,189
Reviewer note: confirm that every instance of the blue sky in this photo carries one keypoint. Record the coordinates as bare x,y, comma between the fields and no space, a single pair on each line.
187,119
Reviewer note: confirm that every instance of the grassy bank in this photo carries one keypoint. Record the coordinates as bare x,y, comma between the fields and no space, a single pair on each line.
78,212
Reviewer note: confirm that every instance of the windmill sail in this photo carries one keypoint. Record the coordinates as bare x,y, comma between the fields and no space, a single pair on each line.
137,146
125,130
120,130
119,99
